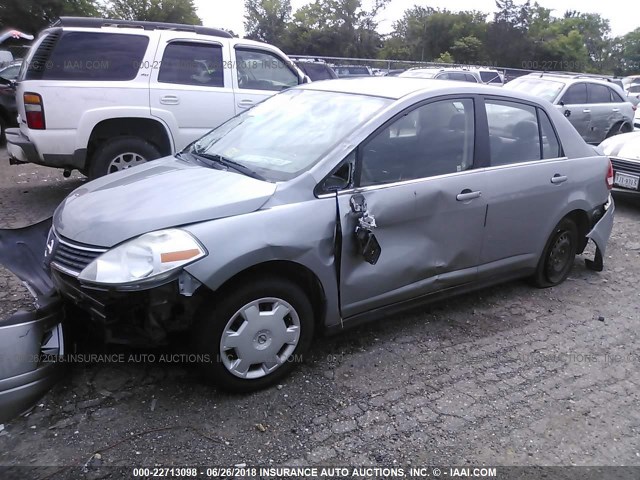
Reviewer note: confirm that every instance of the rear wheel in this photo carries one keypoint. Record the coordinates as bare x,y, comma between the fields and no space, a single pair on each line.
253,335
120,154
558,255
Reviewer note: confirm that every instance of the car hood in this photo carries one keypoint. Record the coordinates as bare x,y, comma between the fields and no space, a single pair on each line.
161,194
626,145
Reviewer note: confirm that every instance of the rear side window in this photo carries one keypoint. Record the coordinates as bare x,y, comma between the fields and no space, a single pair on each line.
188,63
94,57
615,96
598,93
550,143
513,132
576,94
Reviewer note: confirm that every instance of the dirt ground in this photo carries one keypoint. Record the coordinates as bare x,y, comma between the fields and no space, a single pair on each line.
511,375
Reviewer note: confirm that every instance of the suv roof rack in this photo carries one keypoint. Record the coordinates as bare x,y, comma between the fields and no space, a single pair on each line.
91,22
594,76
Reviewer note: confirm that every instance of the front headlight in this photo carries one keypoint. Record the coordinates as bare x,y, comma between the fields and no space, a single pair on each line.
153,257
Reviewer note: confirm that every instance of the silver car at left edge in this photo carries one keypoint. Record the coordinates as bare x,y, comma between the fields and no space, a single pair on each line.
327,205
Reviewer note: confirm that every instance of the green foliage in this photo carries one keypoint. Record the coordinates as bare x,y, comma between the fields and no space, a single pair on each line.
266,20
31,16
172,11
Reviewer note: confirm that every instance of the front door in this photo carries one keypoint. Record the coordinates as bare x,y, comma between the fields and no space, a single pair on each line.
417,178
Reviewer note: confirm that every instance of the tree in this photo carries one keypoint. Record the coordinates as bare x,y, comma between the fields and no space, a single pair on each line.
31,16
171,11
266,20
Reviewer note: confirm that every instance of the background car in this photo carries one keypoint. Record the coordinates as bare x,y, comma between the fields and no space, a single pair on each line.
597,108
263,232
316,70
344,71
473,75
624,151
10,72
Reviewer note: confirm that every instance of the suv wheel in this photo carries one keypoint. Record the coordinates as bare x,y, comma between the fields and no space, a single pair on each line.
558,255
119,154
254,335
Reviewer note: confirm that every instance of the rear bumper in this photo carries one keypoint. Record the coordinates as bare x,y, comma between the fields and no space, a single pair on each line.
22,150
600,234
30,344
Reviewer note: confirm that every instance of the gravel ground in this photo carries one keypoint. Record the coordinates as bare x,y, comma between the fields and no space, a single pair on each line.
510,375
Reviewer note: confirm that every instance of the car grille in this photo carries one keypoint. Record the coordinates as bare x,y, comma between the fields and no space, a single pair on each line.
625,166
71,258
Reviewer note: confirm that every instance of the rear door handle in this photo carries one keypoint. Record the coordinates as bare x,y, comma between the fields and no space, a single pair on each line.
586,110
615,109
557,179
246,103
169,100
466,195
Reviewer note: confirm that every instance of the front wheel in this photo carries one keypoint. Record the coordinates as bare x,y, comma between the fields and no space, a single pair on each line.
558,255
253,335
119,154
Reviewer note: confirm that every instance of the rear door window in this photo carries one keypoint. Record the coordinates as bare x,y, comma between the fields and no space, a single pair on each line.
96,56
513,132
598,93
190,63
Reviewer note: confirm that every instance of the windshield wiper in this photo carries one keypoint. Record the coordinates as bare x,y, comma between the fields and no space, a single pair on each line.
238,167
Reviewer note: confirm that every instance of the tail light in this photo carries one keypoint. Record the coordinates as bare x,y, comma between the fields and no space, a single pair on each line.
610,176
34,110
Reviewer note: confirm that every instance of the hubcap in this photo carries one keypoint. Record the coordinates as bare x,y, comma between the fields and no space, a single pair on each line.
259,338
124,161
559,256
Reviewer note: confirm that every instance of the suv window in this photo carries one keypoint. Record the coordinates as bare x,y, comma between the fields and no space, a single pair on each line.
598,93
576,94
513,132
190,63
96,56
259,70
434,139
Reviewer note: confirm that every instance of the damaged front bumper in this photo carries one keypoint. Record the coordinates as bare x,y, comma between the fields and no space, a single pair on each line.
31,341
600,234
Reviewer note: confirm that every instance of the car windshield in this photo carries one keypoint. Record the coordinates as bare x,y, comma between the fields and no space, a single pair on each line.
418,74
288,133
547,89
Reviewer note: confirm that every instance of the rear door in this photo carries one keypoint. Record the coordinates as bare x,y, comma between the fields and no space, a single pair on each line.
190,90
605,114
527,181
575,106
258,74
420,184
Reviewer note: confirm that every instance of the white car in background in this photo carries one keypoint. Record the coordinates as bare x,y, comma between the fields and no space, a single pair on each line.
624,152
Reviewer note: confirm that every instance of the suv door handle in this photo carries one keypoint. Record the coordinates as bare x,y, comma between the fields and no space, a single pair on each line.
169,100
615,109
586,110
557,179
466,195
246,103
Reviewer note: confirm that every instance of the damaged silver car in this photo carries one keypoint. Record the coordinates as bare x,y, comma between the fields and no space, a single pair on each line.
325,206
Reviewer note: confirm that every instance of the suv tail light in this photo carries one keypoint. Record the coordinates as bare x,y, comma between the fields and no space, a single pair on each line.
34,110
610,176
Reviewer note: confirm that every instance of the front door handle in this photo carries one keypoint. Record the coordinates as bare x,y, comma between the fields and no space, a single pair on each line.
466,195
586,110
246,103
615,109
557,179
169,100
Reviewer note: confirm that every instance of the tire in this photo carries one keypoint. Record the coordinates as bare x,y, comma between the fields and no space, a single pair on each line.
255,356
3,130
558,255
119,154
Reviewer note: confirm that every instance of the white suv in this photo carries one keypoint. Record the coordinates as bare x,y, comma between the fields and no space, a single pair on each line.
101,95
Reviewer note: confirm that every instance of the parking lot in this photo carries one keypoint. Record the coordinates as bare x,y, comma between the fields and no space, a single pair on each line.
511,375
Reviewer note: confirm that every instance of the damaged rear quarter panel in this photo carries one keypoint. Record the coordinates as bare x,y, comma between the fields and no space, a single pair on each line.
301,233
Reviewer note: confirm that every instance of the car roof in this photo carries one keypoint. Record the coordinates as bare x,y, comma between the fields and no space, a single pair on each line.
398,87
569,79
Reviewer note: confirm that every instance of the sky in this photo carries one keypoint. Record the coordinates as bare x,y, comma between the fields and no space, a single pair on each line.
624,16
